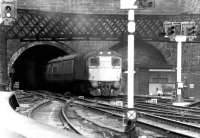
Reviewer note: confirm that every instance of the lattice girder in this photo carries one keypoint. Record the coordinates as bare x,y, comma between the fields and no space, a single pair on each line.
38,25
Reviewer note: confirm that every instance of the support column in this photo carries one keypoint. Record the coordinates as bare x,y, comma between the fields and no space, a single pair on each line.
179,40
3,59
131,70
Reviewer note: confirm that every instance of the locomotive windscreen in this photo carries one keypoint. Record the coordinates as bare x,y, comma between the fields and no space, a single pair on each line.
115,61
94,61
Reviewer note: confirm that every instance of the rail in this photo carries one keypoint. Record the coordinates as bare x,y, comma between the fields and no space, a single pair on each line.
14,125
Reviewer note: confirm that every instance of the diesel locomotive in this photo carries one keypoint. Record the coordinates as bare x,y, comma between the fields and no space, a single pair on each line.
96,73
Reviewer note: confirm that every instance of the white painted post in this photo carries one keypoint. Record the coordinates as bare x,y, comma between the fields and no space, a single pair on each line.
130,5
179,39
131,30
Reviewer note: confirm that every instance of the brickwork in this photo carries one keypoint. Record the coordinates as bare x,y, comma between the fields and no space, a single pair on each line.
15,48
3,71
73,6
110,6
190,53
191,60
190,64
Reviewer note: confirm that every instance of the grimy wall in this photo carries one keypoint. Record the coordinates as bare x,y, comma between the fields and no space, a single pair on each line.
3,61
110,6
191,51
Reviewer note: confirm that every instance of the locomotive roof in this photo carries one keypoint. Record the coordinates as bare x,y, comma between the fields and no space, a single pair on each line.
102,53
63,58
86,55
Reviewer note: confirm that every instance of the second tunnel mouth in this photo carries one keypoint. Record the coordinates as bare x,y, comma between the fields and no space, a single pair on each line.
29,68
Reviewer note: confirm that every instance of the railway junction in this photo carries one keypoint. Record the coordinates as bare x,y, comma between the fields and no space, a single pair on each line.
99,69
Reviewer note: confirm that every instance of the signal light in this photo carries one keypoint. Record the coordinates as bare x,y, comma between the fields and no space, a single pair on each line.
171,30
191,31
8,11
146,3
187,29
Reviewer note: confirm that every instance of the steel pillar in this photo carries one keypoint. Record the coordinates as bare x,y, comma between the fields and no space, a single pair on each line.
179,40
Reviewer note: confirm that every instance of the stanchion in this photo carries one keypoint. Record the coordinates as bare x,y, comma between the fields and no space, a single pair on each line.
130,113
179,39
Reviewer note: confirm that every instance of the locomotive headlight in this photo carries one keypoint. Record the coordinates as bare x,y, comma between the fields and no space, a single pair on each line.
116,84
94,84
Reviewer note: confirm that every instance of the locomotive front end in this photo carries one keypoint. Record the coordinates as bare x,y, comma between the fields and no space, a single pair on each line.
105,73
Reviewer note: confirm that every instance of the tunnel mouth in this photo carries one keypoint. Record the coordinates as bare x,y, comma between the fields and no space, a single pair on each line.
28,71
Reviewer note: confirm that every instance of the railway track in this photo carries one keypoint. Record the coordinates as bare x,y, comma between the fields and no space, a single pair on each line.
185,114
168,126
49,113
93,123
167,117
46,107
27,101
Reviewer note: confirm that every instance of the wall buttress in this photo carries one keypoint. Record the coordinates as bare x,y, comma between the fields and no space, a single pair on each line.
3,59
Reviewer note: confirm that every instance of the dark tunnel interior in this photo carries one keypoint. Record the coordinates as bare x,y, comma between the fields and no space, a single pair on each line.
30,66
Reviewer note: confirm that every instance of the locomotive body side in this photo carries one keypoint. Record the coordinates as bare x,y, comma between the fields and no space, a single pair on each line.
60,73
80,68
61,69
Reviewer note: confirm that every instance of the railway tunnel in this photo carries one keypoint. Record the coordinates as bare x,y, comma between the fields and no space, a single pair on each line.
29,67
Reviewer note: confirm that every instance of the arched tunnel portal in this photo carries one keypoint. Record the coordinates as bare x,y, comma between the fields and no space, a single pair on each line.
28,68
146,57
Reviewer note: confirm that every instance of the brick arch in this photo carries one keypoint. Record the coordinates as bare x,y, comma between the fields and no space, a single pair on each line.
25,47
146,55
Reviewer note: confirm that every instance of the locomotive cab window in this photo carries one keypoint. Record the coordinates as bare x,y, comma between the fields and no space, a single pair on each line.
115,61
94,61
54,69
49,69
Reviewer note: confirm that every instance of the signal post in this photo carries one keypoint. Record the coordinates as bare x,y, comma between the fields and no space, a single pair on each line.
131,6
131,113
179,39
180,32
8,14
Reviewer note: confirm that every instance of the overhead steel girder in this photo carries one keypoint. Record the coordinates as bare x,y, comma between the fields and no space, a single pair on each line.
44,25
38,25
